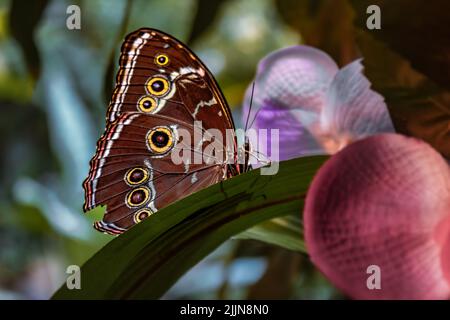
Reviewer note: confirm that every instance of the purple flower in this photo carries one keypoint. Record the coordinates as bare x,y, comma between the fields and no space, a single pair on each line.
317,108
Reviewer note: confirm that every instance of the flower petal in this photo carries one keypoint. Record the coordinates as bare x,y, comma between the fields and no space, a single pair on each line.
352,110
382,201
294,78
294,139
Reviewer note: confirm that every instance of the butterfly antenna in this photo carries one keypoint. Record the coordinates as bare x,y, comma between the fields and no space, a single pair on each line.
246,142
250,108
254,118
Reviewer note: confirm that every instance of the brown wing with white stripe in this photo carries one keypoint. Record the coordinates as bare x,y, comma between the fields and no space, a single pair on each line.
159,74
133,173
161,87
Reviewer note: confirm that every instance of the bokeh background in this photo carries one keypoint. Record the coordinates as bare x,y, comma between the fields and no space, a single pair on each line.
55,85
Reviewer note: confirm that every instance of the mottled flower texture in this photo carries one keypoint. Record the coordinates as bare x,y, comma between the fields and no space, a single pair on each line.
382,201
317,107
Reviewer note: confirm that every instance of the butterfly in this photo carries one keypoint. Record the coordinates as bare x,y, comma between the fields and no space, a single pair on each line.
161,88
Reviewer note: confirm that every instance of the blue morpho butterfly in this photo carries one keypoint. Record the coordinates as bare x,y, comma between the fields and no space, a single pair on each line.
161,88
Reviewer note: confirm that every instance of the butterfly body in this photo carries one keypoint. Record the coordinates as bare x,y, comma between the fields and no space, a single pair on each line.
162,90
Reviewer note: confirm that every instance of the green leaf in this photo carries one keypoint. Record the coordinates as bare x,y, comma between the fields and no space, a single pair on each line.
147,260
286,232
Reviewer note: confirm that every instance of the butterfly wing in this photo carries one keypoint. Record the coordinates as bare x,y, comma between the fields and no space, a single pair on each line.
162,88
135,177
159,68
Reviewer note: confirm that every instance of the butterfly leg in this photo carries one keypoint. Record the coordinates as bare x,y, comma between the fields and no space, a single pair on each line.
222,189
262,187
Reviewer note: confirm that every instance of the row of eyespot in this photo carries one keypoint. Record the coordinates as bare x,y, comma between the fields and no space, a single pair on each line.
140,195
156,86
160,139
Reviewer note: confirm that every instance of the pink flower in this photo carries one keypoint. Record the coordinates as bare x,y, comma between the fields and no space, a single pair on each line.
382,201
